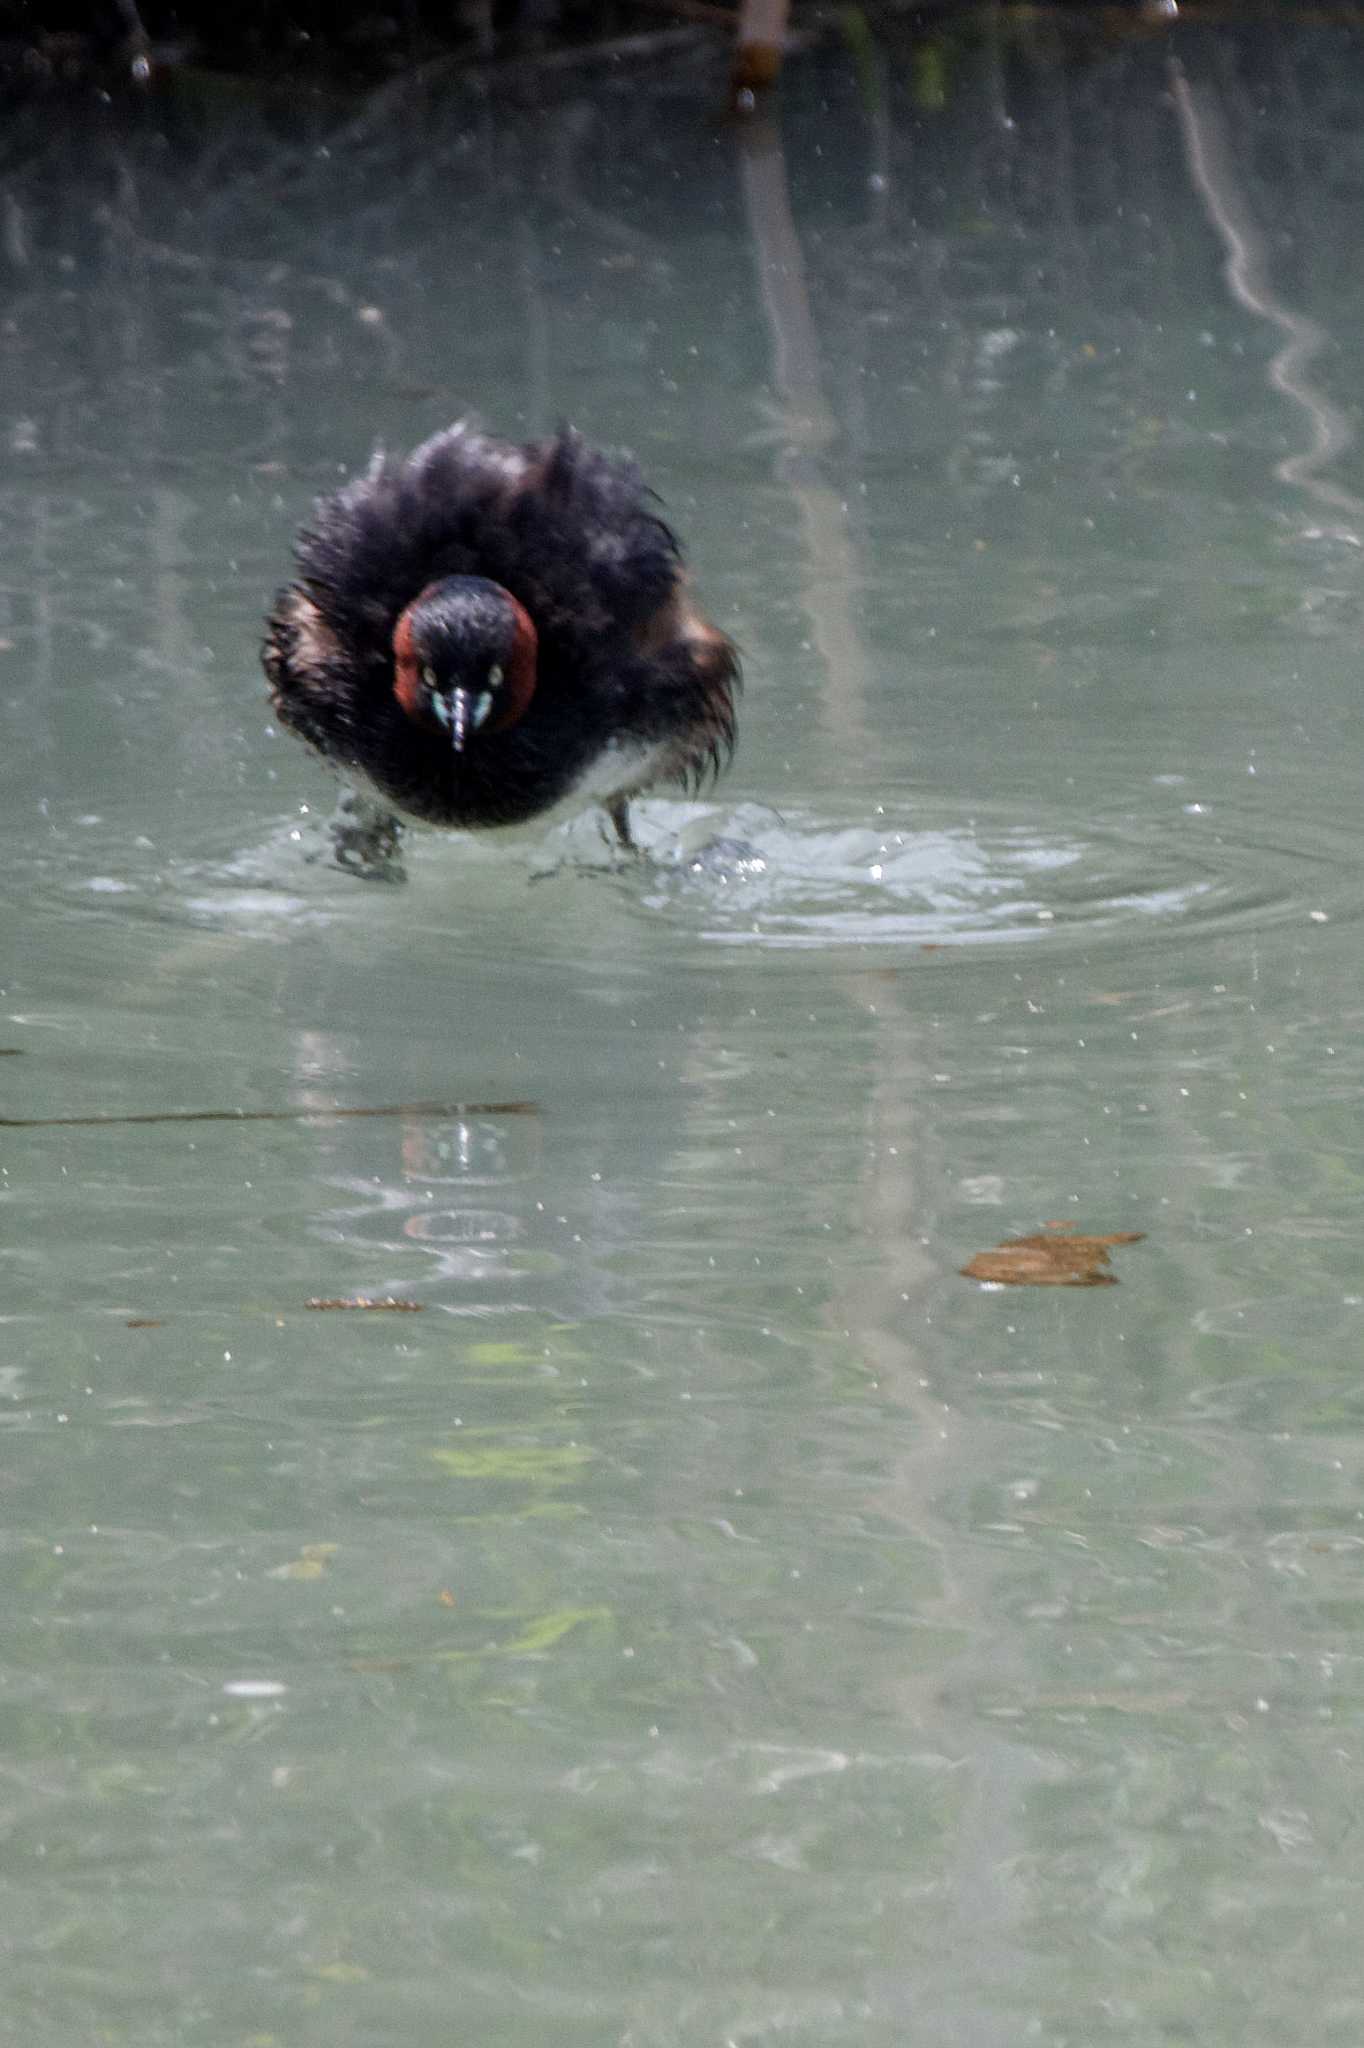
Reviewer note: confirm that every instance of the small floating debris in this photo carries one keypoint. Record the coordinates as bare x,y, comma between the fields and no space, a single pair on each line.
390,1304
311,1562
1059,1256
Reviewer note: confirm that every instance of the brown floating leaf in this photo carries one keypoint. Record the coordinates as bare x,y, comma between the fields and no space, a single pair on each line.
1059,1256
390,1302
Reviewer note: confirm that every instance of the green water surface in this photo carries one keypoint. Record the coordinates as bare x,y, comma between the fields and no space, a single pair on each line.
710,1620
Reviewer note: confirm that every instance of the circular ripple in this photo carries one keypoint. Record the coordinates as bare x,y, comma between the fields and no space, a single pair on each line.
748,875
800,881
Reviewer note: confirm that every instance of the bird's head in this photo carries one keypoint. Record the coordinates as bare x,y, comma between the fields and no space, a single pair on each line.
464,655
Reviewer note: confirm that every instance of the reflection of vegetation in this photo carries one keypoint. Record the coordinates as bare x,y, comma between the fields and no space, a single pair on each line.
535,1635
858,36
144,39
526,1464
931,72
492,1360
543,1633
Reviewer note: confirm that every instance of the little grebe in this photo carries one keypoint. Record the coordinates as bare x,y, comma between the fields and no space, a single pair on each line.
486,630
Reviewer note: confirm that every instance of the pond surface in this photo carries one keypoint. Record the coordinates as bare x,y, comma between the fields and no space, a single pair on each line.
710,1618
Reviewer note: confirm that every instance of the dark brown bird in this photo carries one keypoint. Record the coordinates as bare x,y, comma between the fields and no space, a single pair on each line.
486,631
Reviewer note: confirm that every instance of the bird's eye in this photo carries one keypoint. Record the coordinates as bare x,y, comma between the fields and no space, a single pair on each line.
495,676
429,678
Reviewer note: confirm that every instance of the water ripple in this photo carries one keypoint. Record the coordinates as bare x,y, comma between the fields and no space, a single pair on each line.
811,882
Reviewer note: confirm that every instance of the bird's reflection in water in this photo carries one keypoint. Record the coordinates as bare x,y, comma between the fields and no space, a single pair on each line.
473,1240
460,1194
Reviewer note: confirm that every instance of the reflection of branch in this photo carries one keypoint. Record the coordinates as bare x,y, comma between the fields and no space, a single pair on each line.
14,232
172,514
537,326
760,44
317,1113
1213,172
831,572
831,575
868,1304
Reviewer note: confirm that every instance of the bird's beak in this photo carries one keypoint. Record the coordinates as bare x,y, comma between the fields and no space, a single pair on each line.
461,718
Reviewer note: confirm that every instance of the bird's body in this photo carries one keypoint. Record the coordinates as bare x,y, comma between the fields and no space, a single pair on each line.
485,632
